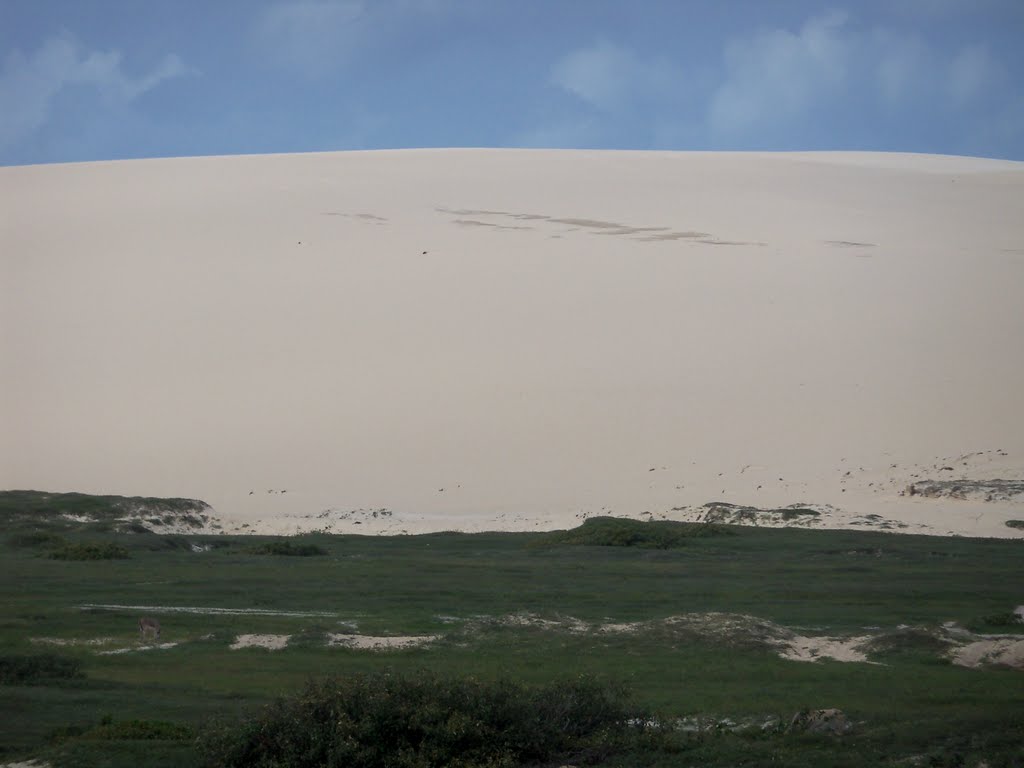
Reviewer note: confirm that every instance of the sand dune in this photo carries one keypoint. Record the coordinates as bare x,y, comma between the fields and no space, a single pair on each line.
507,339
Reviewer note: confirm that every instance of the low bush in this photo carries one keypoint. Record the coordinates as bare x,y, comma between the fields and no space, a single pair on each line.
37,540
911,640
372,721
1015,524
287,548
622,532
90,552
997,621
39,667
138,730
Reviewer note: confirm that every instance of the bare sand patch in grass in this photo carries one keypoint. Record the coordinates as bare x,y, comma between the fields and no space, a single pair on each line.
569,623
72,641
269,642
380,643
203,610
802,648
1007,650
119,651
623,628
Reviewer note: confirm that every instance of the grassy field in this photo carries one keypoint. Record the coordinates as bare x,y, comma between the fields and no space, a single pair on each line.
530,608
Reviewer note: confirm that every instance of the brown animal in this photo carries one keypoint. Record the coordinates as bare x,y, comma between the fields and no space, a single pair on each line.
148,626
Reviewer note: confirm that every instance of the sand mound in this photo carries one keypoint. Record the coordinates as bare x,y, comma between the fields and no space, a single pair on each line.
407,341
1005,650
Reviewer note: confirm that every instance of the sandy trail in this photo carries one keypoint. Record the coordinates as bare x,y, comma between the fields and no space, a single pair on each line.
503,339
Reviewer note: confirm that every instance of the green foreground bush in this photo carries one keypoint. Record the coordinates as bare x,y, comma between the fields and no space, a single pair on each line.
39,667
622,532
378,720
36,540
90,552
287,548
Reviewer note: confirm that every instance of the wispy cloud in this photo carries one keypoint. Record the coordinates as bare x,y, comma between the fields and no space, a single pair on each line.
612,77
310,36
314,37
30,83
820,82
601,75
972,72
778,76
777,79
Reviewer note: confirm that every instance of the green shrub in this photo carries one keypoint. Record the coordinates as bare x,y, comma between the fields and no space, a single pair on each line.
911,640
90,552
1000,621
622,532
138,730
40,667
287,548
37,540
1015,524
372,721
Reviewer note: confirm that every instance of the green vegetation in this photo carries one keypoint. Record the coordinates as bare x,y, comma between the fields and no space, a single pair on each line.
516,612
367,721
40,512
620,532
38,667
125,730
287,548
37,540
106,551
1002,621
1019,524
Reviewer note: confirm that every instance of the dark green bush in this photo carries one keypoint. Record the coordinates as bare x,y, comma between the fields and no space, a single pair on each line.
90,552
998,621
37,540
1015,524
39,667
622,532
911,640
373,721
287,548
138,730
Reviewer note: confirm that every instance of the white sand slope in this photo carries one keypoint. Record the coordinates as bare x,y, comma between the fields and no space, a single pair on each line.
506,339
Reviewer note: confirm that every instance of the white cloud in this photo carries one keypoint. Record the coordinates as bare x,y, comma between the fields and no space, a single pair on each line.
971,73
901,64
600,75
310,35
29,84
778,76
611,77
940,8
314,37
832,75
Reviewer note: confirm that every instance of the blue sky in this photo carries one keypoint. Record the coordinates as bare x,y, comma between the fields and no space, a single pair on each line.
110,79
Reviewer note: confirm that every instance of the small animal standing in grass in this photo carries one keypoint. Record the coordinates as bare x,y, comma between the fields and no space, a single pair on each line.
149,627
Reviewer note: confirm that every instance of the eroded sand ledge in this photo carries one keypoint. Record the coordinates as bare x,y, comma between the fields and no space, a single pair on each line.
510,339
